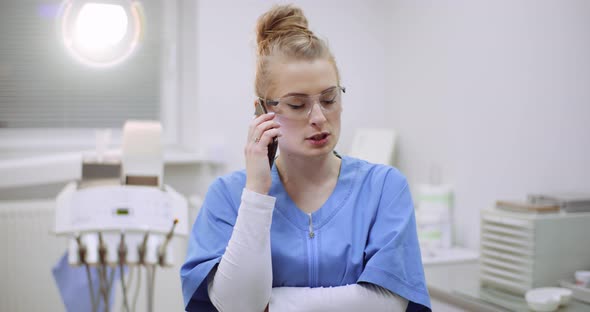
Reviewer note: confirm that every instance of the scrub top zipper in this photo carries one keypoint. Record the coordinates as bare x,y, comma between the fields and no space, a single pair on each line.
311,233
312,252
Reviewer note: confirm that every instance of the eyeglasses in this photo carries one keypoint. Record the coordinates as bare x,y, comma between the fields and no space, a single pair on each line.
299,106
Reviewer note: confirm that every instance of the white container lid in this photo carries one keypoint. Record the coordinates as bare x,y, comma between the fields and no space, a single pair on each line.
582,276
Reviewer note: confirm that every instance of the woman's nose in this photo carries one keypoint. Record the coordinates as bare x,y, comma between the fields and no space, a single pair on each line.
316,114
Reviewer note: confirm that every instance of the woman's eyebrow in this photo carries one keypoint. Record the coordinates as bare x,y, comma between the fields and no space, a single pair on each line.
329,89
295,93
305,94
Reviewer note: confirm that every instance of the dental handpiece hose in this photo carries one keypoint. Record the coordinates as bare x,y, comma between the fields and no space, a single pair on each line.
82,256
141,251
122,259
162,251
142,248
103,281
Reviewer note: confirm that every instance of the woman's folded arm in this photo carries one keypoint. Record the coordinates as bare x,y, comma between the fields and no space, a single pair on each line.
243,278
349,298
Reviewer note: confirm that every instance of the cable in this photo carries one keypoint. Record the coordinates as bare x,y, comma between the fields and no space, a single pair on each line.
89,277
130,276
162,249
122,259
151,288
142,248
148,273
102,253
161,260
113,270
82,256
137,287
102,285
128,283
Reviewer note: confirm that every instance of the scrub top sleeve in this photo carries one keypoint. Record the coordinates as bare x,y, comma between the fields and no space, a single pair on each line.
207,242
392,254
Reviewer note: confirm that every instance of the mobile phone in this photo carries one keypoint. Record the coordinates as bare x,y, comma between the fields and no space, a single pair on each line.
272,147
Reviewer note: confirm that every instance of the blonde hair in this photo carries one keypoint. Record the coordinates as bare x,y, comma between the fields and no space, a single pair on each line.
283,32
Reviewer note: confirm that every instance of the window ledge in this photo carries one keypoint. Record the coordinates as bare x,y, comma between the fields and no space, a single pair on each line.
64,167
179,156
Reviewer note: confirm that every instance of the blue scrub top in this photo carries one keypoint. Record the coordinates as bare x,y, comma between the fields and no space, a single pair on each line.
364,232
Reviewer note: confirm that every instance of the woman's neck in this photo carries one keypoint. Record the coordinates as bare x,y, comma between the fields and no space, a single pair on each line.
309,171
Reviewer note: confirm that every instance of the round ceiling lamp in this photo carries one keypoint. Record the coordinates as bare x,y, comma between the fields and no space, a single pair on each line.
101,33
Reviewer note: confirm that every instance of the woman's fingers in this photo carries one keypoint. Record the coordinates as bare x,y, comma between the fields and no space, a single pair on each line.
259,120
268,136
260,144
261,133
259,129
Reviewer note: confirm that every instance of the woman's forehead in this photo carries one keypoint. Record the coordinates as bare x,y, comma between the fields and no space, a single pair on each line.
302,76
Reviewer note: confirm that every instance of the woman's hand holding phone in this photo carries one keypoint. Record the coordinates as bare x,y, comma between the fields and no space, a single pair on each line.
263,130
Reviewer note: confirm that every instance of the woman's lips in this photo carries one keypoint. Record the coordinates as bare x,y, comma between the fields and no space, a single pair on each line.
319,139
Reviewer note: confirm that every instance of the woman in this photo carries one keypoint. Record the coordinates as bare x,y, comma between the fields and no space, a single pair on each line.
316,231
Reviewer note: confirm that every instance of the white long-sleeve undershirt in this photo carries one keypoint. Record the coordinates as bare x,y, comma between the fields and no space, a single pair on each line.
349,298
243,279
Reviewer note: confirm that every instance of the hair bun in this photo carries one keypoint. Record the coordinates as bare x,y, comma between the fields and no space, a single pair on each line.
278,22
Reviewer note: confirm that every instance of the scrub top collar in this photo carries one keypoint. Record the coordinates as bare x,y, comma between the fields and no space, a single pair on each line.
339,196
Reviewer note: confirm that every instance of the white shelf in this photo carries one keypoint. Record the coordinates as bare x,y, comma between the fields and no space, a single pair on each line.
450,255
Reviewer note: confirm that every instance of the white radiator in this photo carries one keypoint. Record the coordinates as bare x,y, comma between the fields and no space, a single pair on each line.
28,252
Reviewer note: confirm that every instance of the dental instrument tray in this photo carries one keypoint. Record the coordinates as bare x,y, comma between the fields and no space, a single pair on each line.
119,207
137,215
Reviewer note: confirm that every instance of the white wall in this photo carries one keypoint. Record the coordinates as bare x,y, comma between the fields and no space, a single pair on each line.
496,94
493,94
358,33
